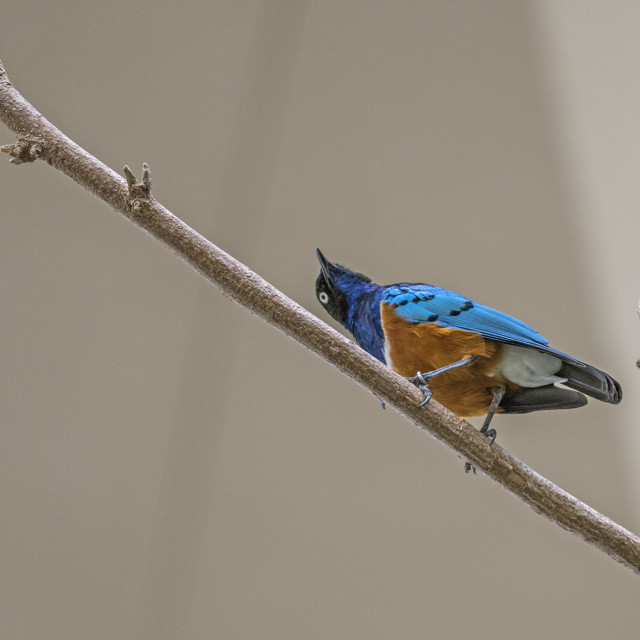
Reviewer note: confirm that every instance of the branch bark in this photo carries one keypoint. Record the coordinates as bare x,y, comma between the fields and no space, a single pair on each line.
38,138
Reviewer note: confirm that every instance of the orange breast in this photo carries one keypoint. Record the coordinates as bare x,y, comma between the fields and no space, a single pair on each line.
466,390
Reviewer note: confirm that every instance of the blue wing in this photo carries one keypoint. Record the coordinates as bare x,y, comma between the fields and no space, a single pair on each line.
420,303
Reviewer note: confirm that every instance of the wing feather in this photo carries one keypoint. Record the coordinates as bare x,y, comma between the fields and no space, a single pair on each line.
421,303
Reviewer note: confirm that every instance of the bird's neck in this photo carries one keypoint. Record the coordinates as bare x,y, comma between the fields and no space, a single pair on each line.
363,319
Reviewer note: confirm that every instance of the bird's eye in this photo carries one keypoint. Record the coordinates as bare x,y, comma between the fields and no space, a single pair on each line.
323,296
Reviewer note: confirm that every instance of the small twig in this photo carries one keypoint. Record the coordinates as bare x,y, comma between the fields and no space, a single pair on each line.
139,192
134,201
25,150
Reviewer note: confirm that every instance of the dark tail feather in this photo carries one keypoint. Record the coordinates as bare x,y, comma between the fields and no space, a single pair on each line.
541,398
592,381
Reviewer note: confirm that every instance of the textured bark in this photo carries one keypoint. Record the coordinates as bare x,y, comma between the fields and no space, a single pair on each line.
39,139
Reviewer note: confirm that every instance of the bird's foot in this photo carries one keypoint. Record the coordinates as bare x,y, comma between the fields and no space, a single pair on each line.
491,434
498,394
421,380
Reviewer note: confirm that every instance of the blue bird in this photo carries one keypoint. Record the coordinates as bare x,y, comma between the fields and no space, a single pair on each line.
474,360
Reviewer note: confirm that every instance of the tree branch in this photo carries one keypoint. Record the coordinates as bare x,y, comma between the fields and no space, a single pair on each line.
38,138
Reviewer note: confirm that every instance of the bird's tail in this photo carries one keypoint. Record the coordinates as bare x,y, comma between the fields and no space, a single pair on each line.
581,377
591,381
542,398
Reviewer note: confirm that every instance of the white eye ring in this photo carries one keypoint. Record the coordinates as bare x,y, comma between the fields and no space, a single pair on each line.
323,296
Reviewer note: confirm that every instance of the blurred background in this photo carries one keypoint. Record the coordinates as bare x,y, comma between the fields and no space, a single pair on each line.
172,467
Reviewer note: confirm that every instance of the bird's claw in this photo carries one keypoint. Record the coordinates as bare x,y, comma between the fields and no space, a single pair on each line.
428,394
492,434
422,382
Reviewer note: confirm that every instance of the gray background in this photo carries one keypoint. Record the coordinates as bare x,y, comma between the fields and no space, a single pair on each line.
170,466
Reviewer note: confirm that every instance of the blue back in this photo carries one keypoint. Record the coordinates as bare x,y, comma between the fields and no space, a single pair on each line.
420,303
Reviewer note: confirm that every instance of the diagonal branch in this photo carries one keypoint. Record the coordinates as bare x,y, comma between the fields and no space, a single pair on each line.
38,138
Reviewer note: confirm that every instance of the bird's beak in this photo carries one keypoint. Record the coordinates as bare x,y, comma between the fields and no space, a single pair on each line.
326,266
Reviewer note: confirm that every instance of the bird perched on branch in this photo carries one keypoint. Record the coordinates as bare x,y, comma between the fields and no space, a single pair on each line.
474,360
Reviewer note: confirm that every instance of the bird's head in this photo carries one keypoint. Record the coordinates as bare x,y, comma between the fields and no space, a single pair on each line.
337,287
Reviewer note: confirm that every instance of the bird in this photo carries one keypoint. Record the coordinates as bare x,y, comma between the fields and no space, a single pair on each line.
473,359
